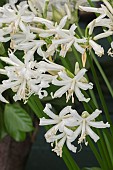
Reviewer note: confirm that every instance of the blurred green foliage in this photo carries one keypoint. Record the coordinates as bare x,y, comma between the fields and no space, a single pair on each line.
2,2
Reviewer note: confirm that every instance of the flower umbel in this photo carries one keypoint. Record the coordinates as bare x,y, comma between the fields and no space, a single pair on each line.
68,125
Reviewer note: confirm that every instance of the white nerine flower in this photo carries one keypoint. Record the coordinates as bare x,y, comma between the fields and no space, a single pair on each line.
53,29
66,40
63,7
68,125
59,122
18,15
19,75
72,84
84,124
18,39
105,19
97,48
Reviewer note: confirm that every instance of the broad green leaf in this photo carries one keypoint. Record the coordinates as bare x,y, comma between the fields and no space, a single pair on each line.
17,121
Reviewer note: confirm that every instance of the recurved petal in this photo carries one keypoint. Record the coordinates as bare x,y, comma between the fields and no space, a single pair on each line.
100,124
50,113
79,48
84,86
44,121
94,115
59,82
80,74
65,111
80,96
71,147
61,91
92,134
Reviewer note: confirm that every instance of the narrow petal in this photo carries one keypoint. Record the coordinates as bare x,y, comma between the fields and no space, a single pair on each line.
65,111
100,124
79,48
59,82
63,22
80,74
80,96
44,122
49,112
92,134
76,115
61,91
71,147
84,86
94,115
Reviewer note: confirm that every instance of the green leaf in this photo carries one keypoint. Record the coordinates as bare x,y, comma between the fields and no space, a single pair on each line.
93,168
3,132
2,49
17,121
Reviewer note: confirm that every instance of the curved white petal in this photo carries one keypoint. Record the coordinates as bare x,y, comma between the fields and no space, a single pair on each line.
44,122
94,115
84,86
64,111
92,134
49,112
100,124
80,96
61,91
71,147
80,74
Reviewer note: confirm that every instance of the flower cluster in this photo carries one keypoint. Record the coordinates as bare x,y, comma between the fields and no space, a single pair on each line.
105,20
68,125
30,27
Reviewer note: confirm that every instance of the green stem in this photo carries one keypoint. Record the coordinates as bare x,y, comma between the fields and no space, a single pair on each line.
100,92
102,73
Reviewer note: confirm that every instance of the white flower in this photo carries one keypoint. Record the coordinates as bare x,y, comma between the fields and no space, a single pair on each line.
66,40
48,66
61,6
18,39
84,124
5,33
68,125
97,48
59,126
72,84
32,45
105,19
19,75
53,30
19,15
